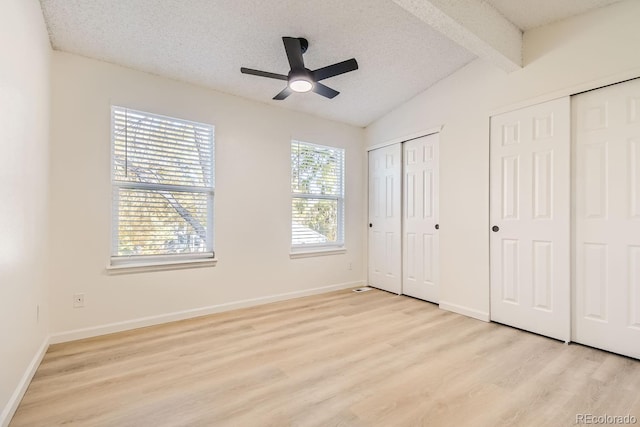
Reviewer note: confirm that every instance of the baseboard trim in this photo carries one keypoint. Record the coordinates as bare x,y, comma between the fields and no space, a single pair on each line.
466,311
142,322
16,398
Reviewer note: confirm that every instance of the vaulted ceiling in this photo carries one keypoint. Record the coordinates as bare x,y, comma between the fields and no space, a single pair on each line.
402,46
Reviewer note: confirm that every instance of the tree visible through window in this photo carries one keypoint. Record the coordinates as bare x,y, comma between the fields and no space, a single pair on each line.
317,185
162,175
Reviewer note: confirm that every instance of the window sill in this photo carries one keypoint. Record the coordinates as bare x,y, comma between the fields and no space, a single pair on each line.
313,252
146,266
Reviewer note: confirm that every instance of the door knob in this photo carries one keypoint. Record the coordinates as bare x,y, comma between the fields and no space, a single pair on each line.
495,228
437,226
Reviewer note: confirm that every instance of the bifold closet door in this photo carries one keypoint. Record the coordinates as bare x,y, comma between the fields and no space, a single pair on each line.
385,218
606,133
530,218
420,219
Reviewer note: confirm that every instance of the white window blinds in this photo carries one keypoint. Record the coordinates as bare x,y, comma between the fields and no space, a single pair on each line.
317,205
163,186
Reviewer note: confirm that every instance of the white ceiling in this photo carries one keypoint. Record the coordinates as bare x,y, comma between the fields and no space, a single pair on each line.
205,42
528,14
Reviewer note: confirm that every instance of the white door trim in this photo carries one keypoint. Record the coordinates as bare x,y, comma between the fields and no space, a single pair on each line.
415,135
570,91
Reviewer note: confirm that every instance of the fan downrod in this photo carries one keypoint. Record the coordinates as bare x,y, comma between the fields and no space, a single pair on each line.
304,44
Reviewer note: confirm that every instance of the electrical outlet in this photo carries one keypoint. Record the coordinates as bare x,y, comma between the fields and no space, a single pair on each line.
350,267
78,300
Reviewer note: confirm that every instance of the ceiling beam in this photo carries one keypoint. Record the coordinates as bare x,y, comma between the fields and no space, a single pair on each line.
474,25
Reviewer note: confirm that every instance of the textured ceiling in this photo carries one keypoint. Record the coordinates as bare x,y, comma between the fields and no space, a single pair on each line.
528,14
205,42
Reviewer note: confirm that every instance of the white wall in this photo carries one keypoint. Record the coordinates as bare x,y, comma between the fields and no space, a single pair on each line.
24,146
252,201
560,59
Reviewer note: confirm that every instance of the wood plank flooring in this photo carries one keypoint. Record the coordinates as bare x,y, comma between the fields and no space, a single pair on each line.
337,359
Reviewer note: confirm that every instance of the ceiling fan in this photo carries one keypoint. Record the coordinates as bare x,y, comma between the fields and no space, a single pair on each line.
300,78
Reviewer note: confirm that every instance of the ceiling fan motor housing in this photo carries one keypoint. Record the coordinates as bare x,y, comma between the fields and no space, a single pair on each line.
300,80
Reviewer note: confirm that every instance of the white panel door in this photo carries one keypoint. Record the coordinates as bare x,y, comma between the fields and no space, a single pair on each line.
385,256
530,218
606,133
420,227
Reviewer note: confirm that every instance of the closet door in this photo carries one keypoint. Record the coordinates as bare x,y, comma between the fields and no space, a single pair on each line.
530,219
420,215
606,133
385,255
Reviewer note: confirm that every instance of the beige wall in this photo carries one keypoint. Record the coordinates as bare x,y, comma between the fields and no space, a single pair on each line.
24,147
560,59
252,201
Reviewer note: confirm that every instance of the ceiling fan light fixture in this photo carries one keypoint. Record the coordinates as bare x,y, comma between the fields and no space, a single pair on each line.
300,84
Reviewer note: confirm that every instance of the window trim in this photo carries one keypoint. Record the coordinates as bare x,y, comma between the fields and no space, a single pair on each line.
156,263
309,252
140,263
303,250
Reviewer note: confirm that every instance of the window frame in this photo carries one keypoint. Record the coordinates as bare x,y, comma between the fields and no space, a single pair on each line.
303,250
124,263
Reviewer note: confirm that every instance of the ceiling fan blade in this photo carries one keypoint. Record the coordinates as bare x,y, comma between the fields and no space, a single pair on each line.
323,90
263,73
335,69
282,95
294,52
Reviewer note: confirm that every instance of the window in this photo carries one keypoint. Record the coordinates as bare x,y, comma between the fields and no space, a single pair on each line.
317,205
163,185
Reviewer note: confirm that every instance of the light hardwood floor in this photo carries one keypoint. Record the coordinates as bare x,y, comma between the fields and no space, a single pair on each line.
338,359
